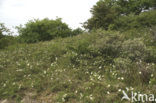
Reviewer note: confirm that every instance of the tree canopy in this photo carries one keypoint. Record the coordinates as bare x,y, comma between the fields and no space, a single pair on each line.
3,30
106,12
43,30
5,37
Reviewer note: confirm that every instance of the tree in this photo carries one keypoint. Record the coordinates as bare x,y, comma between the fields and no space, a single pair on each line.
77,31
135,6
143,20
5,37
105,12
43,30
3,30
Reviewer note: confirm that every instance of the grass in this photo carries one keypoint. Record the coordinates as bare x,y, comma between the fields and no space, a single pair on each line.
88,68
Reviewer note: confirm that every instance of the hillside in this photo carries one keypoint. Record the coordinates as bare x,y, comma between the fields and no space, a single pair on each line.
89,68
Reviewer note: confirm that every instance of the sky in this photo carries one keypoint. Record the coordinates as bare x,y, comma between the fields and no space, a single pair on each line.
73,12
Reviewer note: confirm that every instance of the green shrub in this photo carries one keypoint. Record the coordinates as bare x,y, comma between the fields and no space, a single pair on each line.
153,34
5,37
77,31
143,20
3,30
108,45
108,14
83,68
134,49
43,30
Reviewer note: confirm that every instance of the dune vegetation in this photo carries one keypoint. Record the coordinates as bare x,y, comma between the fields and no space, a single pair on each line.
48,62
88,68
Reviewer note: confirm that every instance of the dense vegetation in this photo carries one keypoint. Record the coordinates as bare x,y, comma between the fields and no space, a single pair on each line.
5,37
43,30
109,14
50,62
86,68
35,31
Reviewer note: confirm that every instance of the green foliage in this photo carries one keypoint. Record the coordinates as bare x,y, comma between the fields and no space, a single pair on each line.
43,30
143,20
103,15
3,30
77,31
122,14
133,49
83,68
5,37
135,6
7,41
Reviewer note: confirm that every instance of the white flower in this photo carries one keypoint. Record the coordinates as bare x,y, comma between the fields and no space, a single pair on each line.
127,88
64,95
108,86
45,72
63,100
91,79
119,78
100,67
52,64
152,75
99,77
87,72
13,83
91,97
140,72
122,78
119,90
108,92
131,88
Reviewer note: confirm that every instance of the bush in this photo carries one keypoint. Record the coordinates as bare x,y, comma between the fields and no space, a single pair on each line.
7,41
43,30
134,49
108,45
5,37
77,31
2,30
145,19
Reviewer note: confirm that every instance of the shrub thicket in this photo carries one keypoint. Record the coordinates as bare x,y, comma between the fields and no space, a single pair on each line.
143,20
43,30
5,37
83,68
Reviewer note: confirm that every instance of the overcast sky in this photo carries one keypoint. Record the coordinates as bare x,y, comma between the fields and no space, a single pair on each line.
73,12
